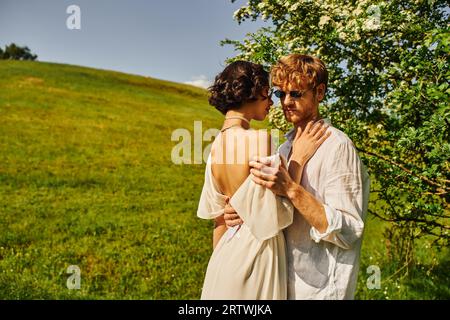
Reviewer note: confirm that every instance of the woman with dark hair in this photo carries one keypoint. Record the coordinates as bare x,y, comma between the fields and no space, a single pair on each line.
249,260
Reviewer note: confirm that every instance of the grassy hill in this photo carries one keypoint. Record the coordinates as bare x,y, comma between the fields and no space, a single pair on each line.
86,179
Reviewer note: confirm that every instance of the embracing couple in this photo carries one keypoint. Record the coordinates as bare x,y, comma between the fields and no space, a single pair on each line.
288,224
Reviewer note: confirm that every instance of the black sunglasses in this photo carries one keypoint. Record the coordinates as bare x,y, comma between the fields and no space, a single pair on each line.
294,94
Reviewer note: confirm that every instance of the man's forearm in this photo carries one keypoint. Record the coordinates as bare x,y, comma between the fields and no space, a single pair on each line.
296,169
218,233
219,230
308,206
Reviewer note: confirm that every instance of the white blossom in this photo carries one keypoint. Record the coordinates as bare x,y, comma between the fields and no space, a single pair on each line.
324,20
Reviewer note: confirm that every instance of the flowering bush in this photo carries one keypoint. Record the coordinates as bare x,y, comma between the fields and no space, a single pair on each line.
388,90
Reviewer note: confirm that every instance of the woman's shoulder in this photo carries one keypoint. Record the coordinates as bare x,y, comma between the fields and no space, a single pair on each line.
256,141
258,133
250,133
262,139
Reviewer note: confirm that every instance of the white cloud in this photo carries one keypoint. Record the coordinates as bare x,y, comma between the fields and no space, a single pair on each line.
199,81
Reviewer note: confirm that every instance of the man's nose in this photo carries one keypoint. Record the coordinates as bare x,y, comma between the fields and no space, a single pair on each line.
286,104
288,99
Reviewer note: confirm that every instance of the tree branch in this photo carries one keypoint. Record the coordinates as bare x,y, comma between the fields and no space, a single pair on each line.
433,223
425,179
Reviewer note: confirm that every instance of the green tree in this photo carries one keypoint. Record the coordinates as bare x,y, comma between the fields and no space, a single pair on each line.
388,90
14,52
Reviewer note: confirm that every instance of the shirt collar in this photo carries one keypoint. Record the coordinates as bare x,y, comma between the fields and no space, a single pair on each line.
290,135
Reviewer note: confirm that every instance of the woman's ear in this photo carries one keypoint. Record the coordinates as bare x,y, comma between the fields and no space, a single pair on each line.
320,92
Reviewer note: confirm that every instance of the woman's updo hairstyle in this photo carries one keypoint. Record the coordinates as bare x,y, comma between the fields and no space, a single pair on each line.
238,83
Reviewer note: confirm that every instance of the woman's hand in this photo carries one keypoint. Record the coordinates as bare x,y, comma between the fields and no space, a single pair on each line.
307,142
304,146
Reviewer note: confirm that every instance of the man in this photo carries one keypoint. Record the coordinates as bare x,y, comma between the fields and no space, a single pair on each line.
324,240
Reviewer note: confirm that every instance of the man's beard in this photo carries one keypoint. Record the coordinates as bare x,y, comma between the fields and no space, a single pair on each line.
297,116
292,117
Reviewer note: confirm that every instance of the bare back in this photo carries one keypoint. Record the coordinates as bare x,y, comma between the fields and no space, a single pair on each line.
230,154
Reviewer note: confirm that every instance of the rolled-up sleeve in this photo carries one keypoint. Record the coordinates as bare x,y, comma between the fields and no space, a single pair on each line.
345,197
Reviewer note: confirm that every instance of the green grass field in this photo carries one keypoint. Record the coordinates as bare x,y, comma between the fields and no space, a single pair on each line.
86,179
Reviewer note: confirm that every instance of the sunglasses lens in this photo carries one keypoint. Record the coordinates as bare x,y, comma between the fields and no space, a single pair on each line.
295,94
279,93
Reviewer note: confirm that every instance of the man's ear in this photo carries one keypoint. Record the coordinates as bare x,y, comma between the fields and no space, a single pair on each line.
320,92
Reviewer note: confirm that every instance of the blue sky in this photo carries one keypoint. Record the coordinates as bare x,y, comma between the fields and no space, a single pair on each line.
175,40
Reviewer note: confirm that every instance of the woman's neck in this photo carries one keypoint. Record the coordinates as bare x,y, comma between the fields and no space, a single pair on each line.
233,118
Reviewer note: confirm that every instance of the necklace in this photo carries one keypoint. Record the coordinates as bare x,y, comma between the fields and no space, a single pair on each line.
238,117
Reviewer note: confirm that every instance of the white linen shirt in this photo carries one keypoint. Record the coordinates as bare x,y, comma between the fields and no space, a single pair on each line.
325,265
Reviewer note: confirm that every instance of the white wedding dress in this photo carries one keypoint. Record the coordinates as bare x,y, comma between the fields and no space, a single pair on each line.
249,262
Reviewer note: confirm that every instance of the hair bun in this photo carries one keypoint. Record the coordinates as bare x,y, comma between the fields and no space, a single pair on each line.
239,82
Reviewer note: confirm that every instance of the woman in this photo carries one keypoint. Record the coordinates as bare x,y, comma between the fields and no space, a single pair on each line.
248,262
